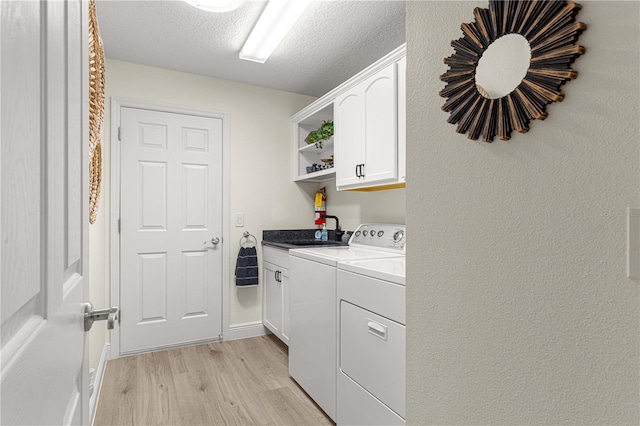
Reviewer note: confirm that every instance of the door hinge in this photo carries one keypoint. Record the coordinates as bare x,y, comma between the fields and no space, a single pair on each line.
118,226
119,133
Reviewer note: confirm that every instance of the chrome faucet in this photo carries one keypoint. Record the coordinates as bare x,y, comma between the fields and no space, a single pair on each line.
338,231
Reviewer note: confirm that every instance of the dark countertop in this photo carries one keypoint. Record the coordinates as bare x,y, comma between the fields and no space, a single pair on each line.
297,238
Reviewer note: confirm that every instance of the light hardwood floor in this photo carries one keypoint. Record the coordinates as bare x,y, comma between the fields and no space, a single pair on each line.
238,382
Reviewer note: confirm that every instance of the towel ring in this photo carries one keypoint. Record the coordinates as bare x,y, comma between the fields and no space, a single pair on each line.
247,234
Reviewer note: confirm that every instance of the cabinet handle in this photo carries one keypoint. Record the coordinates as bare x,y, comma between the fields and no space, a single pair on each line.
362,170
357,167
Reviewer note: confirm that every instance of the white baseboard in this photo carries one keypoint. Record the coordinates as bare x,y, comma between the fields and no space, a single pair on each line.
245,330
97,384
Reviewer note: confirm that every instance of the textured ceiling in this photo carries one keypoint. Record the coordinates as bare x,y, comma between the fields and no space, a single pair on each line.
332,41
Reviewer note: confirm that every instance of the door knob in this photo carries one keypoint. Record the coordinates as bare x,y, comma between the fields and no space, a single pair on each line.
91,315
214,241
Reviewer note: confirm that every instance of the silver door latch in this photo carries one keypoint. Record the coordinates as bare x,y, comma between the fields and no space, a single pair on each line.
214,241
91,315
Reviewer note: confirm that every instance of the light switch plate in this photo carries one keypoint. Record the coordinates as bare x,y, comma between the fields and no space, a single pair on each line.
239,220
633,243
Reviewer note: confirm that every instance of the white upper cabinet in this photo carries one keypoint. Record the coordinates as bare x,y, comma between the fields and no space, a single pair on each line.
402,120
366,132
350,153
369,117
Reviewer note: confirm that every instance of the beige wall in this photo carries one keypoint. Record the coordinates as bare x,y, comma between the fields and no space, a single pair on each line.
354,207
519,310
261,169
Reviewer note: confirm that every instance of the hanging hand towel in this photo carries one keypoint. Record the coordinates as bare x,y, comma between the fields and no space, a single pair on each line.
247,267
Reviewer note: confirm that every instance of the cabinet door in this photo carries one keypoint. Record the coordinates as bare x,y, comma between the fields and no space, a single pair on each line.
272,299
402,120
380,103
286,323
348,135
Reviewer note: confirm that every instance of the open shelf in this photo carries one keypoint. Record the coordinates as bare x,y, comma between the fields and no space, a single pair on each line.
309,154
327,146
319,176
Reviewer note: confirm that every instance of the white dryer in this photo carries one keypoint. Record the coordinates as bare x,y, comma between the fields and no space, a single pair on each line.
313,274
371,342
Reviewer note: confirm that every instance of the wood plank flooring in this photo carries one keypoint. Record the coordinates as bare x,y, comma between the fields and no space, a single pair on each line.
225,383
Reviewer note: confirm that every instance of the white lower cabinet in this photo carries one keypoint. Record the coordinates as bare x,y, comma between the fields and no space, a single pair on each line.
272,299
275,292
286,322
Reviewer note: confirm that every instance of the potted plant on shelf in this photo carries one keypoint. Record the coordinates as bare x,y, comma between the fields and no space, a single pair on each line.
324,132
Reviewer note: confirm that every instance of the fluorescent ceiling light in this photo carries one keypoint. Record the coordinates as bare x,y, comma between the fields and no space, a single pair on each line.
216,5
276,20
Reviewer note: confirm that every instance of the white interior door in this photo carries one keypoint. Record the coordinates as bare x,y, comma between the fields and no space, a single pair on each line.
171,209
44,250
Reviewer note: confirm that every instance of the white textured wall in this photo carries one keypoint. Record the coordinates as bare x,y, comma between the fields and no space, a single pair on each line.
261,183
519,311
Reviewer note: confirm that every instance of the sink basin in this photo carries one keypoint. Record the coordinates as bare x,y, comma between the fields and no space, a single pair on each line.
313,243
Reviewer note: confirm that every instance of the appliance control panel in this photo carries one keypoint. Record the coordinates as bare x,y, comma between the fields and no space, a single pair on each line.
380,235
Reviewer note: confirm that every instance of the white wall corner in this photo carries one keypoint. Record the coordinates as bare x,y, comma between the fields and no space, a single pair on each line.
97,384
245,331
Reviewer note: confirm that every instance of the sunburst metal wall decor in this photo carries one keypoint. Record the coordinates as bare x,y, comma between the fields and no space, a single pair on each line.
551,29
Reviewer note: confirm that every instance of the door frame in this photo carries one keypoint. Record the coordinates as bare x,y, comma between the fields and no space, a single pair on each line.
114,235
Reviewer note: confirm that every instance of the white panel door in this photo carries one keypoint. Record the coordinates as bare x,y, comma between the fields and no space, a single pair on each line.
402,120
272,303
44,250
286,297
171,206
366,120
349,140
380,99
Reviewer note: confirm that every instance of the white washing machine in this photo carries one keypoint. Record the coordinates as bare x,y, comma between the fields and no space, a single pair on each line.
313,351
371,342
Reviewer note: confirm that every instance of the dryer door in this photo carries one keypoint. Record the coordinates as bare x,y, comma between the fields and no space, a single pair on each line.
372,353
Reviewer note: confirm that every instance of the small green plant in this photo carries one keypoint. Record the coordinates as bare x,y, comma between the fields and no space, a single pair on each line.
326,129
324,132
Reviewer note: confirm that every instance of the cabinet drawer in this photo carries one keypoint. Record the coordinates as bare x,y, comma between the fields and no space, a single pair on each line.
276,256
372,354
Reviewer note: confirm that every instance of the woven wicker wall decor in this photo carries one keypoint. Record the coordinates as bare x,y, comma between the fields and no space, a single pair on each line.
96,110
551,29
